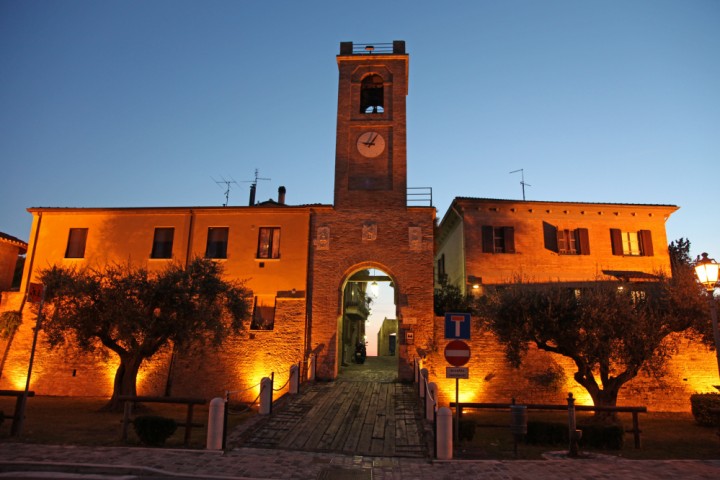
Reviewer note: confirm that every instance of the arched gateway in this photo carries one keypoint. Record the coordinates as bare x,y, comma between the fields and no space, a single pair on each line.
371,224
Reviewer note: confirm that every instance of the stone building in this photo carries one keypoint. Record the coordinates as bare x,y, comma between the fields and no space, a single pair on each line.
11,249
308,265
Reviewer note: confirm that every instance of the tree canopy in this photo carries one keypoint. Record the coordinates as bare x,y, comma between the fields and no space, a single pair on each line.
134,313
610,330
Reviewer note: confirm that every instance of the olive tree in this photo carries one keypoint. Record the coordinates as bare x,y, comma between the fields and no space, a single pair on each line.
610,330
134,313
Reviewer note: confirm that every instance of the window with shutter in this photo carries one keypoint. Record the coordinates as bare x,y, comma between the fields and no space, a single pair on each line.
217,242
583,239
162,243
77,238
269,242
488,244
616,241
646,245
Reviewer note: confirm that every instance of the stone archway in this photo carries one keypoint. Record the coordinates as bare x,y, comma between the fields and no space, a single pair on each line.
368,316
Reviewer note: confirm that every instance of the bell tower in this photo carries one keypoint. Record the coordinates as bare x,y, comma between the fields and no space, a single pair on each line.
371,147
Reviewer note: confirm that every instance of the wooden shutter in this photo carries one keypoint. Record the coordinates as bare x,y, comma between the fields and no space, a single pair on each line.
509,239
646,245
488,243
550,235
616,240
583,241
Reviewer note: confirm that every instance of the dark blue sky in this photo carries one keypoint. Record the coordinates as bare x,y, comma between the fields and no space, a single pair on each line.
144,103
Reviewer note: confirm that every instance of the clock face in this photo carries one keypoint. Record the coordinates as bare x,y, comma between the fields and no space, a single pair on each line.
370,144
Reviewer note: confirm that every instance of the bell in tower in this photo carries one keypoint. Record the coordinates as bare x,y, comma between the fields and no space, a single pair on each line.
371,95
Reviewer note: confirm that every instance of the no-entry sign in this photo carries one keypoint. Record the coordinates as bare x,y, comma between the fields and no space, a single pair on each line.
457,353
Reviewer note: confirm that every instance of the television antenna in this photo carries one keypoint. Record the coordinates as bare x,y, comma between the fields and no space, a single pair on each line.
227,184
522,181
253,185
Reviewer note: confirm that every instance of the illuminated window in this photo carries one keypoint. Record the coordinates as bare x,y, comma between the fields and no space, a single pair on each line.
217,241
631,243
371,95
76,243
269,242
498,239
263,313
162,243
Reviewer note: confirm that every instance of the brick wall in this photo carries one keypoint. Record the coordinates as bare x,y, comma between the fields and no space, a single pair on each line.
547,378
410,268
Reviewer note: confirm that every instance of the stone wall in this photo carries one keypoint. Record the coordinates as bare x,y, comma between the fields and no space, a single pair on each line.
547,378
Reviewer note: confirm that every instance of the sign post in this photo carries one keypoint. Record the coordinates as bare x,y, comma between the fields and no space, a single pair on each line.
457,353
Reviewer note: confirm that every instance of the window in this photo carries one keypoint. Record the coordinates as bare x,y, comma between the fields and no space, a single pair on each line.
162,243
263,313
76,243
217,242
371,95
566,241
269,242
631,243
498,239
441,275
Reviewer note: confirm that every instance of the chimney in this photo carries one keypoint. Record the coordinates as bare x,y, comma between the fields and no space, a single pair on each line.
252,194
281,195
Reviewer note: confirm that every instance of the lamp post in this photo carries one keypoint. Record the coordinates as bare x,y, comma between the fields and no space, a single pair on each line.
706,270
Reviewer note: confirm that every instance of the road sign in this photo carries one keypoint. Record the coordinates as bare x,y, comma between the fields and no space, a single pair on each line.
457,372
35,292
457,325
457,353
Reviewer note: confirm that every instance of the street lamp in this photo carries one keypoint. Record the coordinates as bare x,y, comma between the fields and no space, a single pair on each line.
706,270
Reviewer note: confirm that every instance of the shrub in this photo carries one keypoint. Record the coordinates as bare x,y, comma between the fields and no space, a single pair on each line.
603,436
154,430
701,403
546,433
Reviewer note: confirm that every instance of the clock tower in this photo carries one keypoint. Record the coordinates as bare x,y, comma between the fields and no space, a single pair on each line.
370,158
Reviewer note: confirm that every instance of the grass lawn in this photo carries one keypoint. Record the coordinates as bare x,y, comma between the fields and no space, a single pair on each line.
78,421
664,436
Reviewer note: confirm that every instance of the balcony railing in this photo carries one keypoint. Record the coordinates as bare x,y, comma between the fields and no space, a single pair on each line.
419,196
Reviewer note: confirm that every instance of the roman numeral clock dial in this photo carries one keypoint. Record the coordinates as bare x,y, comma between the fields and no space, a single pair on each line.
370,144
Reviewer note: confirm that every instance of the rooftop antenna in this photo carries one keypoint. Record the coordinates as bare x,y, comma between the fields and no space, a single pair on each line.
227,184
522,181
253,186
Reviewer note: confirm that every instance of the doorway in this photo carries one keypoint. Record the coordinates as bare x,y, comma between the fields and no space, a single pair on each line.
368,327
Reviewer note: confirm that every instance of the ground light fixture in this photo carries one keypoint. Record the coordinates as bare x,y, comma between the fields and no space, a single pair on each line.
706,270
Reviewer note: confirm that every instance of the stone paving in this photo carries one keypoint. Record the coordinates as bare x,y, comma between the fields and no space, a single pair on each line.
258,463
250,463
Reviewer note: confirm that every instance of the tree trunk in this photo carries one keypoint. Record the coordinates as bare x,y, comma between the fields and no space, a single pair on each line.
601,397
125,382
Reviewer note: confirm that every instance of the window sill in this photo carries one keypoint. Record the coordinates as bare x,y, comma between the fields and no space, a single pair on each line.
267,259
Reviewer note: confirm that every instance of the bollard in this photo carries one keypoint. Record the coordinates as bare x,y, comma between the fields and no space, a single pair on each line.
444,435
265,396
312,359
416,369
216,420
294,379
430,401
572,427
423,377
518,423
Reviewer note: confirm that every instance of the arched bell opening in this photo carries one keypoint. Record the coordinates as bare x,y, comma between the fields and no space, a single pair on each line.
372,95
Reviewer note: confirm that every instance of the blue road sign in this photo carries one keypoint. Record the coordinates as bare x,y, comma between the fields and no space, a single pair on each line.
457,325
